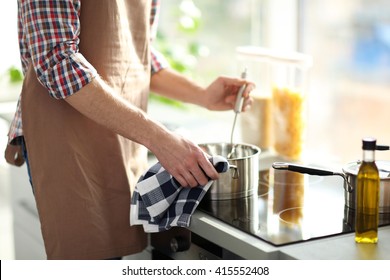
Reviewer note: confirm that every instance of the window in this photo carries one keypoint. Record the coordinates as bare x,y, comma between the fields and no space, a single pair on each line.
351,75
350,44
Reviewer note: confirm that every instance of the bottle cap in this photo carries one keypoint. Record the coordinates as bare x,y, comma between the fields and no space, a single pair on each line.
369,143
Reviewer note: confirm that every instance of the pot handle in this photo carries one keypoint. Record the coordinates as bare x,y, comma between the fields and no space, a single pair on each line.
303,169
236,174
311,171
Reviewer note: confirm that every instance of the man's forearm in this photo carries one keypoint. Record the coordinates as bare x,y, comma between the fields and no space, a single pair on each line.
97,101
173,85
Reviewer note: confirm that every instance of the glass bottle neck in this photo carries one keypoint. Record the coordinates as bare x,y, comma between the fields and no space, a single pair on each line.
368,155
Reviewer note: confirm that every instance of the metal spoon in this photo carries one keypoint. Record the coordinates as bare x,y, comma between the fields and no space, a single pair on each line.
237,110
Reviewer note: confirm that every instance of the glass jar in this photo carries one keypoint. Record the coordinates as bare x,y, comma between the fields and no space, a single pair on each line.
256,124
279,109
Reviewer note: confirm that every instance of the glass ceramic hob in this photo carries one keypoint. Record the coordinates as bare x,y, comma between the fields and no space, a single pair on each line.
289,208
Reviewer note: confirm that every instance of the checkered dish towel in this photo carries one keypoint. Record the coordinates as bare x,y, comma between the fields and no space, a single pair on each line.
159,202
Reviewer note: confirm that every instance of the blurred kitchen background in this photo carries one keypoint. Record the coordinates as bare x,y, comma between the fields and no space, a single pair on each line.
348,95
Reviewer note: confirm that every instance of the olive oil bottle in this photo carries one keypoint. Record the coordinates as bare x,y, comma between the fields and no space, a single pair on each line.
367,196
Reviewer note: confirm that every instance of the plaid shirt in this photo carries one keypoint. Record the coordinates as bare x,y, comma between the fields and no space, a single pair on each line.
48,38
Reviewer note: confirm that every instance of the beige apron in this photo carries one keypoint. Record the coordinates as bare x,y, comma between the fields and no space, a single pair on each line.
81,172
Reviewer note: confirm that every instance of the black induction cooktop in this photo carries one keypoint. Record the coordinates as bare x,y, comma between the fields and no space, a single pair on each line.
289,208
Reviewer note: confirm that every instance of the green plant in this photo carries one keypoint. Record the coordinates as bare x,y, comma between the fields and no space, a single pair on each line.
15,75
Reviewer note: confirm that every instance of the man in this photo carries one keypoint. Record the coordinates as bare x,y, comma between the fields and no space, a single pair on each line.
81,119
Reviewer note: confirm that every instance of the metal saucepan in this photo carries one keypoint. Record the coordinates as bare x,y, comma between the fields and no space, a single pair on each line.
349,175
240,181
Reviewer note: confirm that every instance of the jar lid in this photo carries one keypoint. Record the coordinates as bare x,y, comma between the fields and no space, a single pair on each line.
281,56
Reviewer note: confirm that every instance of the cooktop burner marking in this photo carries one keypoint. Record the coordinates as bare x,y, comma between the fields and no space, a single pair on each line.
292,215
263,189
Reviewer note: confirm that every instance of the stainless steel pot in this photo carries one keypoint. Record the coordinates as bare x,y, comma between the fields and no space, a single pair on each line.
349,175
240,181
351,170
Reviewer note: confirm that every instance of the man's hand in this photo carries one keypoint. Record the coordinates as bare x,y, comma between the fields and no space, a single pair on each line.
184,160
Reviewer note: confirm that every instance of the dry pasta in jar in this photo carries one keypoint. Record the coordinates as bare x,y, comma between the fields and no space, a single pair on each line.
289,121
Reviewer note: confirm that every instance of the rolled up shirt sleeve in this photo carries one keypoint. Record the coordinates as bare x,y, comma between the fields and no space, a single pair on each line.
158,61
50,34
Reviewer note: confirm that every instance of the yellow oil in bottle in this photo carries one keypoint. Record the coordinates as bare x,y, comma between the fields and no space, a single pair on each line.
367,197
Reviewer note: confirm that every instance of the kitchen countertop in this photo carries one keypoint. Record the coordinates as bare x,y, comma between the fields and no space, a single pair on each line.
340,247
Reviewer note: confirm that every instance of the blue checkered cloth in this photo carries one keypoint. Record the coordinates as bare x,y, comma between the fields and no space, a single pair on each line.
159,202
